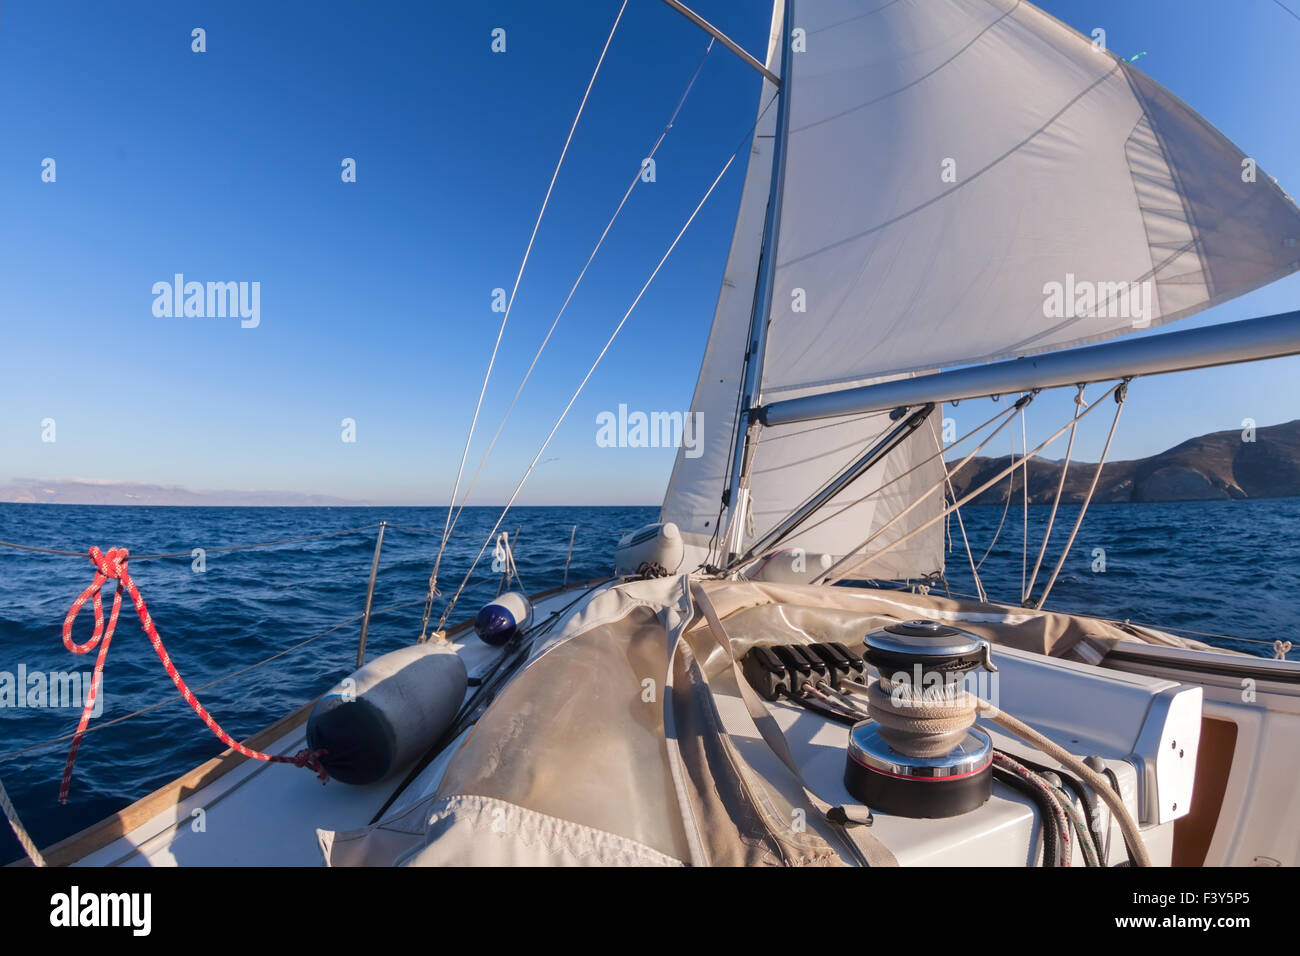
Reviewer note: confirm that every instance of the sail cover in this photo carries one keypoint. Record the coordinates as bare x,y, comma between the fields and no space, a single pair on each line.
966,181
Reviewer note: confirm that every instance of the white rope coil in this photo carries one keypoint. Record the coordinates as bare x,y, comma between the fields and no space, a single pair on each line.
927,722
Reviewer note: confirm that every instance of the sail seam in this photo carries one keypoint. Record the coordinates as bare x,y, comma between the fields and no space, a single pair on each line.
1179,187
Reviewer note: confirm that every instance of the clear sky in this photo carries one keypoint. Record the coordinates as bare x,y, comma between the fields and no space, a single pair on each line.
376,296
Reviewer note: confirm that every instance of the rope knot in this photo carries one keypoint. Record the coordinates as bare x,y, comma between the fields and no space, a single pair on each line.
311,760
1280,649
113,567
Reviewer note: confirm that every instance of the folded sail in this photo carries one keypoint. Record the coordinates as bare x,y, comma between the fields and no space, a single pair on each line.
965,181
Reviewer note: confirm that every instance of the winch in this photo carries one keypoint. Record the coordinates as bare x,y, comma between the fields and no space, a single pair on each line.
920,755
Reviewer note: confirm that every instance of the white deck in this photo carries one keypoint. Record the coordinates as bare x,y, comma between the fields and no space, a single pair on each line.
263,814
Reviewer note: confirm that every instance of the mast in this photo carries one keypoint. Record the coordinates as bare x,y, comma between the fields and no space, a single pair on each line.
737,490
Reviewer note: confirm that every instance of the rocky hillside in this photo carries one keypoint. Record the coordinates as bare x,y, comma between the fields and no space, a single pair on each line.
87,492
1214,466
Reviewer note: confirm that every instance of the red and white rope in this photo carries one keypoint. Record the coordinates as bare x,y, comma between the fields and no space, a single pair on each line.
113,566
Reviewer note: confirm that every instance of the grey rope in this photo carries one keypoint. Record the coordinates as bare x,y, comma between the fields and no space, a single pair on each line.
24,839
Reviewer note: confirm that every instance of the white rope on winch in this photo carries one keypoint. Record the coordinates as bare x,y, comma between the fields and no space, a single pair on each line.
460,471
24,839
581,385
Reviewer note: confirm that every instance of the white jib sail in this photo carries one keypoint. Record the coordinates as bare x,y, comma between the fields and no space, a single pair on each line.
966,181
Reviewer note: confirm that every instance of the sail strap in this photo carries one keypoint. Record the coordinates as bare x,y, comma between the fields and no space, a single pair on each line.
1008,416
478,408
850,822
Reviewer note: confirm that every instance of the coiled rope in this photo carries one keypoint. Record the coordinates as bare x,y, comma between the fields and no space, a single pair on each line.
113,566
929,722
921,722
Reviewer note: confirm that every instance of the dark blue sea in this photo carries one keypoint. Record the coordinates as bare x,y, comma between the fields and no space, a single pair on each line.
1214,567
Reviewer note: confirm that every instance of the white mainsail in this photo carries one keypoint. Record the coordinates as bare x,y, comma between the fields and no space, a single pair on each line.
965,181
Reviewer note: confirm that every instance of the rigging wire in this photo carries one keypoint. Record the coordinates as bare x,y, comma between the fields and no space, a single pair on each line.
1024,493
893,481
1121,394
433,578
636,178
1079,405
1006,414
20,831
961,524
838,570
591,371
1006,509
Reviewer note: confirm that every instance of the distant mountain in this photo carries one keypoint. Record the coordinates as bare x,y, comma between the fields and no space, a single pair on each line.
1221,465
91,492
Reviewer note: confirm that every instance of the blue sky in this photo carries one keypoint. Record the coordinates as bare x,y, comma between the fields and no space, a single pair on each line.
375,301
